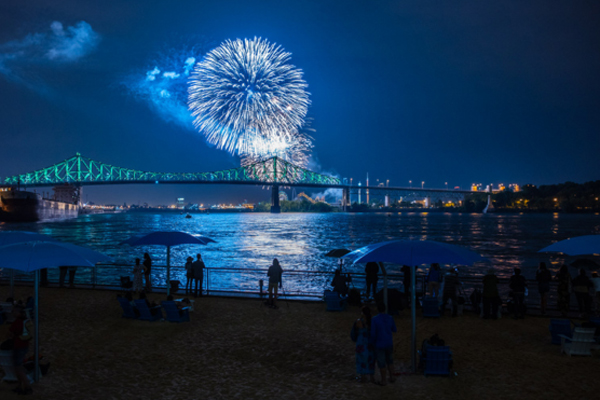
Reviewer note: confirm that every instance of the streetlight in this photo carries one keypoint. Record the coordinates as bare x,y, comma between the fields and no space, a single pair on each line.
387,183
446,185
422,183
410,183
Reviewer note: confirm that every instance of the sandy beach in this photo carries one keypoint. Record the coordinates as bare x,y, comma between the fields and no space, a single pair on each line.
240,349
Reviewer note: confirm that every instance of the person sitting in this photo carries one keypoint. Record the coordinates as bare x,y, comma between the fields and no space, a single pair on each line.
151,306
339,283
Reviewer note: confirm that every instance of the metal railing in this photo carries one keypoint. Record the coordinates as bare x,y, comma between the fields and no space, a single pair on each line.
299,284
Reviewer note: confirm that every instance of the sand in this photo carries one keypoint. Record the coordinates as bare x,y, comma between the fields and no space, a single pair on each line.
240,349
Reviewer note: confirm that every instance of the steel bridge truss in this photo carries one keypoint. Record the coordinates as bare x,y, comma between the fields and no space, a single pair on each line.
83,170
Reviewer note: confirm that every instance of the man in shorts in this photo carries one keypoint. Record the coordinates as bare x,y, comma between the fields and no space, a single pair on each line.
382,328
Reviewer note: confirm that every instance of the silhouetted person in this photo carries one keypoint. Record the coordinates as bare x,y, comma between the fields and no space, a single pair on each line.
147,271
543,277
371,270
339,283
490,296
198,268
563,290
517,285
581,286
274,274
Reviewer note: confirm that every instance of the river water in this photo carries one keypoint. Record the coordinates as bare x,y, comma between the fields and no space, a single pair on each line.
300,240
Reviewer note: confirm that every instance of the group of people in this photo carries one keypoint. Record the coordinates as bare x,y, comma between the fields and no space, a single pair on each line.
450,288
581,285
194,273
374,345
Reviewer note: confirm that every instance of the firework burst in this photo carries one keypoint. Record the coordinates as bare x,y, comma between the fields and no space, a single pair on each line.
247,99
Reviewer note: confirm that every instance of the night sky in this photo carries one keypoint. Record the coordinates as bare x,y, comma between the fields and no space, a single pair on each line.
460,92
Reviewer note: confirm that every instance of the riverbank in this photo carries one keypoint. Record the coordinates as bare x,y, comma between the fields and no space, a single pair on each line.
240,349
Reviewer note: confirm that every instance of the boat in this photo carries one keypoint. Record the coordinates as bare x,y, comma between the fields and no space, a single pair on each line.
188,215
24,206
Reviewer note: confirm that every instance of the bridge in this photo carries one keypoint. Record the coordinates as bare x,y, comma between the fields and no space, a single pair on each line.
274,172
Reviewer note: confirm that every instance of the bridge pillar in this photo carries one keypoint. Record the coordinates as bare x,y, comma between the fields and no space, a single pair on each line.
345,199
275,208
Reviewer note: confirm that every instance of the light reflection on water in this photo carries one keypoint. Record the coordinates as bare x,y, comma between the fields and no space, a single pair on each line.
300,240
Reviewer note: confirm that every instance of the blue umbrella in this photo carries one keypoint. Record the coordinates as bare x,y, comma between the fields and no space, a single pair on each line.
577,246
33,256
11,237
167,239
412,253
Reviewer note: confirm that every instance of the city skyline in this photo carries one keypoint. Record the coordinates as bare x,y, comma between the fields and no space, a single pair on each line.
448,95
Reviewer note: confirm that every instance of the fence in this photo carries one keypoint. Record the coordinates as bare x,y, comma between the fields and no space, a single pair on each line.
246,282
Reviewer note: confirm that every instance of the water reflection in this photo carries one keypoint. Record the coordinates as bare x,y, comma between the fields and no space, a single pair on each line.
300,241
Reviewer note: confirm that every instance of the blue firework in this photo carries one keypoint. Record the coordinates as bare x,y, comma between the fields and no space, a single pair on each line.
245,94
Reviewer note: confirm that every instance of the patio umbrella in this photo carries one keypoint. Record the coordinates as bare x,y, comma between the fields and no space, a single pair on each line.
11,237
412,253
33,256
577,246
585,263
338,253
167,239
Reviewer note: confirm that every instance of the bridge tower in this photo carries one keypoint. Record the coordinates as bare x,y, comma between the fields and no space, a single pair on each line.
345,198
275,208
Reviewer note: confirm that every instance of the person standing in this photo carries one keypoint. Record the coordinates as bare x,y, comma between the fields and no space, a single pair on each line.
138,269
433,280
543,278
339,283
451,284
490,295
198,268
382,329
72,271
563,290
518,284
371,270
274,274
189,275
581,286
365,355
147,271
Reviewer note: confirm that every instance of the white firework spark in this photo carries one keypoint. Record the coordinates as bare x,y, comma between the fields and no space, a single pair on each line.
247,99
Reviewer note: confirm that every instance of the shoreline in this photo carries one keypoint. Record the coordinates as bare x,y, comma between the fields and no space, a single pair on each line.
238,348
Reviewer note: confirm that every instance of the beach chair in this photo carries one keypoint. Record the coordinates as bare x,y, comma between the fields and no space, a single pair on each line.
128,311
431,307
559,327
580,344
7,364
174,314
146,313
437,360
334,301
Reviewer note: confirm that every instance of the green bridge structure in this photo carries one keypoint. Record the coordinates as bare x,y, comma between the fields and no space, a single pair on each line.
274,172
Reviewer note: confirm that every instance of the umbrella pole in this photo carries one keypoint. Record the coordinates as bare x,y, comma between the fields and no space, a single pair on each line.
168,271
413,314
36,338
385,287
